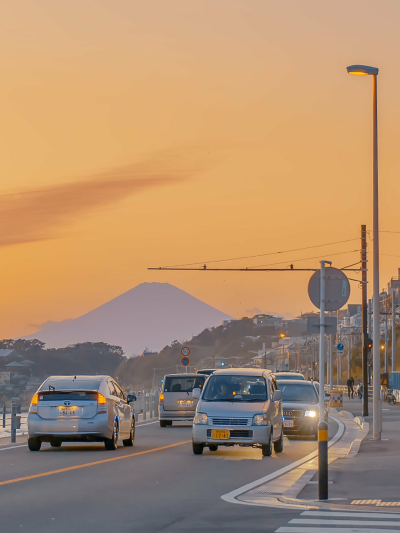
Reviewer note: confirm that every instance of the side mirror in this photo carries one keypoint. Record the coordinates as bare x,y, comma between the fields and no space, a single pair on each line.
196,394
131,398
277,396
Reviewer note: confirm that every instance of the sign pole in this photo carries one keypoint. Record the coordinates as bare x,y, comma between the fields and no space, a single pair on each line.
322,343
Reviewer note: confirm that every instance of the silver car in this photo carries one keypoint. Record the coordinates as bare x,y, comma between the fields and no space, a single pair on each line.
176,400
239,406
80,408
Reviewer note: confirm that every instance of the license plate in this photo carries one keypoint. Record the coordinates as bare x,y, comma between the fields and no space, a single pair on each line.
288,423
220,434
185,403
67,412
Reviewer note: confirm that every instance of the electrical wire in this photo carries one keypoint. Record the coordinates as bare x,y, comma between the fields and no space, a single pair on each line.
261,255
304,259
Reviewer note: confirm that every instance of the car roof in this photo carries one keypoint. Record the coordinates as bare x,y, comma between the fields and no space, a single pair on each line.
242,372
182,375
77,378
297,381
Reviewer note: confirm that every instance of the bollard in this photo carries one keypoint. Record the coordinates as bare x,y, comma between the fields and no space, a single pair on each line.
322,461
13,422
4,415
145,408
152,406
157,406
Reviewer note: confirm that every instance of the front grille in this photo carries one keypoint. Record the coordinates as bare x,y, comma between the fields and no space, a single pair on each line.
236,433
231,421
293,412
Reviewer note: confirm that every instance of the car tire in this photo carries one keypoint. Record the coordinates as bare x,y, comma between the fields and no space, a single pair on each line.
112,444
266,449
163,423
278,445
197,448
213,447
129,442
55,443
169,422
34,444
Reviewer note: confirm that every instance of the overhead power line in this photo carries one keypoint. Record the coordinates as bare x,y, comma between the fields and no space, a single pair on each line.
262,255
304,259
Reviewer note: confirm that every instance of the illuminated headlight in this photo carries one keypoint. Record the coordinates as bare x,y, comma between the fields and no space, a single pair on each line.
260,420
311,414
200,418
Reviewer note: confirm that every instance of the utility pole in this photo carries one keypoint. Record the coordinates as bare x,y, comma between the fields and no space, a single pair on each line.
393,293
364,310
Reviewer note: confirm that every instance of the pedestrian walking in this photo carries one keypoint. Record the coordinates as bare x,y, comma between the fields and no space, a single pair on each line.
350,390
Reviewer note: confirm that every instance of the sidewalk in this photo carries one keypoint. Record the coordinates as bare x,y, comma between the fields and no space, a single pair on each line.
374,473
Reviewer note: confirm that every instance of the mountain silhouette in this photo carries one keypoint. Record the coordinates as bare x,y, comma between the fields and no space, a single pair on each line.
150,315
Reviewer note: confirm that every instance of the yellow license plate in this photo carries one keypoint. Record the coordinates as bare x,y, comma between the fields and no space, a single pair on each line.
185,403
220,434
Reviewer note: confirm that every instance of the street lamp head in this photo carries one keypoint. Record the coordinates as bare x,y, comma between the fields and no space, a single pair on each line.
362,70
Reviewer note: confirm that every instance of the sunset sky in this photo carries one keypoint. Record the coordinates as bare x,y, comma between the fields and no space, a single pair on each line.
141,133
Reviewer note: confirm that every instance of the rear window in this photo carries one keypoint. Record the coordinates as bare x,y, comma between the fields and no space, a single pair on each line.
290,376
296,392
67,395
71,384
183,384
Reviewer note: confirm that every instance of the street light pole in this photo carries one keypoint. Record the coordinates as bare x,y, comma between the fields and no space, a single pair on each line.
377,414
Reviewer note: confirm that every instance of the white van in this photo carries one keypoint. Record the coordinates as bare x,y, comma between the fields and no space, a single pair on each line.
238,406
176,400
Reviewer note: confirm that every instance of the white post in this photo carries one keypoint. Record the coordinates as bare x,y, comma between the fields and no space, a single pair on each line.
376,316
322,342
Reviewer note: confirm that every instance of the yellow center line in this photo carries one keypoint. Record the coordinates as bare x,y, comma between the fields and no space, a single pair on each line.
52,472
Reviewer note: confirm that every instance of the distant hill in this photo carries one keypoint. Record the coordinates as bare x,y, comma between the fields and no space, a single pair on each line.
150,315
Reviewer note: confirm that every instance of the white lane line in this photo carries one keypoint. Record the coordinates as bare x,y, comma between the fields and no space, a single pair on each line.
232,496
24,445
329,521
285,529
13,447
350,514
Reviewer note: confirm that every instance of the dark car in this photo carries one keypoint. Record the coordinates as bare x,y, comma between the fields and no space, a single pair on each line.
207,371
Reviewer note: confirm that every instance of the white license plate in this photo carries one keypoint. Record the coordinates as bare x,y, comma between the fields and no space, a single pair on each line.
288,423
67,412
185,403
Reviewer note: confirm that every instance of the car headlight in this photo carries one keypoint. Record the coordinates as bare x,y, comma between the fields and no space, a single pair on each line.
200,418
260,420
311,414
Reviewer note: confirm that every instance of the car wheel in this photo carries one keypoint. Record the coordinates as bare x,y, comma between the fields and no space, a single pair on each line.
213,447
112,444
197,448
267,448
278,445
169,422
55,443
129,442
34,444
163,423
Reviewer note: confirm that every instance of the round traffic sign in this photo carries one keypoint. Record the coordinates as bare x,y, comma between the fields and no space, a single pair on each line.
337,289
340,346
185,361
185,350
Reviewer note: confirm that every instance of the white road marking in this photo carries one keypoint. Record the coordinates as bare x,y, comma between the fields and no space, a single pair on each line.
350,514
330,530
329,521
147,424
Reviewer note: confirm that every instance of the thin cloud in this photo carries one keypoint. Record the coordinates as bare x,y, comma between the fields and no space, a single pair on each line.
38,214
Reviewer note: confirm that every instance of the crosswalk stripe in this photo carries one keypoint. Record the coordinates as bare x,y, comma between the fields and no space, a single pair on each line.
308,529
322,522
351,514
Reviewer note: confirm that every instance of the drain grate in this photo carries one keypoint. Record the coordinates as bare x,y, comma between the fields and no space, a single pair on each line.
263,493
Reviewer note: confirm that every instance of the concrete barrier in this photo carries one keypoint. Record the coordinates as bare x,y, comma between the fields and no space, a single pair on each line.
336,399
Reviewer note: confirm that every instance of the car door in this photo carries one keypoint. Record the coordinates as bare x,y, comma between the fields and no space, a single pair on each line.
125,410
115,400
277,408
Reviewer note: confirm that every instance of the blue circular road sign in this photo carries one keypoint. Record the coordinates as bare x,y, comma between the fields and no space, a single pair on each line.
185,361
340,346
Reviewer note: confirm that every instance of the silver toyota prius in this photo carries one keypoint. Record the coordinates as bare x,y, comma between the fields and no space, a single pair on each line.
80,408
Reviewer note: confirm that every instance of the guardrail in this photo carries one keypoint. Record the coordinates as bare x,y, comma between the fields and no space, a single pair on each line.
146,406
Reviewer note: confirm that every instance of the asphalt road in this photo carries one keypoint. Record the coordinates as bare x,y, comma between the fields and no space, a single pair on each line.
158,485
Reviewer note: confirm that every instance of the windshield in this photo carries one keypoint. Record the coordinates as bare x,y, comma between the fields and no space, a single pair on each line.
235,389
289,376
183,384
296,392
71,384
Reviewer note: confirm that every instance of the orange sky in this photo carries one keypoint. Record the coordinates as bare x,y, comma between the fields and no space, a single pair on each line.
145,133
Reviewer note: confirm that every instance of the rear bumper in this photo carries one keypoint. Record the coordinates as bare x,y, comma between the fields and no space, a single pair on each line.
259,435
96,428
176,415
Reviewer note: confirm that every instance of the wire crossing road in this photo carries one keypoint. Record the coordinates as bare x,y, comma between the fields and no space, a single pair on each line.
156,486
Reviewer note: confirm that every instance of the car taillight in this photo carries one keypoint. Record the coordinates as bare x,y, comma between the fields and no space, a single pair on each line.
34,404
162,398
101,403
